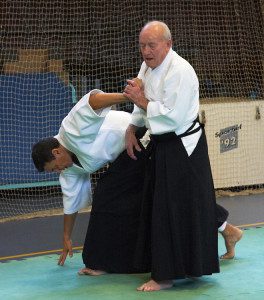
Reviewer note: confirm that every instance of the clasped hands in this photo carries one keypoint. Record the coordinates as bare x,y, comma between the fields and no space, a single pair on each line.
135,92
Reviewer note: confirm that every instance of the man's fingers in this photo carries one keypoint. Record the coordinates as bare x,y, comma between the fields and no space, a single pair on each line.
130,151
62,259
137,147
131,143
125,94
131,154
138,82
130,82
70,253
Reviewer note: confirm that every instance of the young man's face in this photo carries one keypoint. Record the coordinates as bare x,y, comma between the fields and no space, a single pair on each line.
61,161
153,46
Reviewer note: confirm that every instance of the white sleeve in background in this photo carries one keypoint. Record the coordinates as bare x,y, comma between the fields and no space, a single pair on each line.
82,122
137,117
76,189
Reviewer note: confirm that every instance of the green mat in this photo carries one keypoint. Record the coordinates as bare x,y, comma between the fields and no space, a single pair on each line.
40,278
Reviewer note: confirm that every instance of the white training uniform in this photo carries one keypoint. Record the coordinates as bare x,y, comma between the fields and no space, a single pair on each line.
96,138
173,104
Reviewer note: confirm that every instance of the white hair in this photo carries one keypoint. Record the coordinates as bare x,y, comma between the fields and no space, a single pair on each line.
166,34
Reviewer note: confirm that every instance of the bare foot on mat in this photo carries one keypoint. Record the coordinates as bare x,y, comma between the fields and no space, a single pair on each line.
231,236
91,272
153,285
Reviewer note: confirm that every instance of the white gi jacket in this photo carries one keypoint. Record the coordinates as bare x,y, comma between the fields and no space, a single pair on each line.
96,138
173,91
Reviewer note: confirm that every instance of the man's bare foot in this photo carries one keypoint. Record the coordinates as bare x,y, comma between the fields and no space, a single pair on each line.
153,285
91,272
231,236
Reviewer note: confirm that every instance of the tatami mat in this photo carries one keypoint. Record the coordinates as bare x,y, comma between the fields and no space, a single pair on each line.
41,278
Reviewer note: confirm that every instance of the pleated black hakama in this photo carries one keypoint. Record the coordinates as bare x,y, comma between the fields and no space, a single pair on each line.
178,230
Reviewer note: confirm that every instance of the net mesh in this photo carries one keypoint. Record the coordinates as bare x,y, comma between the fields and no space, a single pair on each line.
53,52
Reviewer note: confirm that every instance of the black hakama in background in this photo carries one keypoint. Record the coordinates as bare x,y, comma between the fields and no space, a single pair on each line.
113,227
178,230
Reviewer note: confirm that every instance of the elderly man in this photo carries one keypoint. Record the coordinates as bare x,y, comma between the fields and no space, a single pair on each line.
178,231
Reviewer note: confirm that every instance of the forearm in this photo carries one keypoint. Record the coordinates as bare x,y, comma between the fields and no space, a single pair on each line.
69,221
101,100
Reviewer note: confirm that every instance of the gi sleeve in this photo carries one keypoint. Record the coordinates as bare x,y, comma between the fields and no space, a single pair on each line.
82,122
76,189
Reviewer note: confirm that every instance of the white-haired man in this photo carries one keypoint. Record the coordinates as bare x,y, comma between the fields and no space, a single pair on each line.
178,231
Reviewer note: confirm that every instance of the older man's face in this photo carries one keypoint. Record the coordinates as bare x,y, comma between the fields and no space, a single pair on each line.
153,46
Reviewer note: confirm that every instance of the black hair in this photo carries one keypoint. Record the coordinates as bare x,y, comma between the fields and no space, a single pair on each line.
42,152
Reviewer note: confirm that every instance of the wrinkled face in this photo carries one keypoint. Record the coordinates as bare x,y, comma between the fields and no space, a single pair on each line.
62,161
153,46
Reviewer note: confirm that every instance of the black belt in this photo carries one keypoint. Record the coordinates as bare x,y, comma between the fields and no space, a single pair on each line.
170,135
189,131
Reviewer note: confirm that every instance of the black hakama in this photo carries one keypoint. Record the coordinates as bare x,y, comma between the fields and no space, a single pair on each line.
112,232
178,230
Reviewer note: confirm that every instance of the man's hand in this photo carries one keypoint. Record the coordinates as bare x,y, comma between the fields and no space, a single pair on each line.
131,141
135,93
67,249
69,220
138,82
